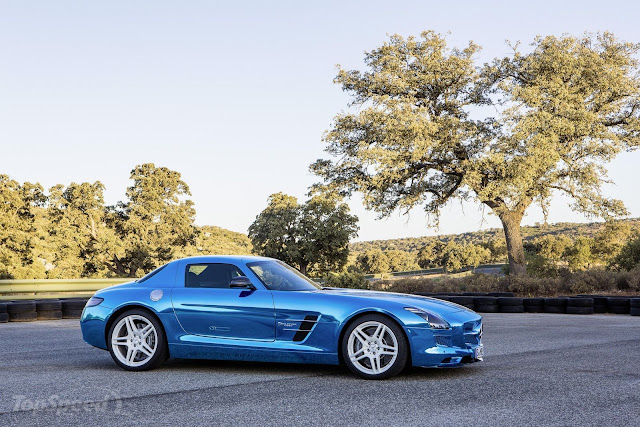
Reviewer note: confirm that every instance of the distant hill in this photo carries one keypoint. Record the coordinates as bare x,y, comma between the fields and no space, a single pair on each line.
414,244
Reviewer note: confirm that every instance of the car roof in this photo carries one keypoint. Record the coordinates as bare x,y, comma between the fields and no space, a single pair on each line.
225,258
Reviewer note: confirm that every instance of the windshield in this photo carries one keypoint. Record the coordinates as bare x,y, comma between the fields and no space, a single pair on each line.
278,276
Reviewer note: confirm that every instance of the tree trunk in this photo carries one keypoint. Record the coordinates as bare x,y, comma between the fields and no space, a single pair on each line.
303,268
515,250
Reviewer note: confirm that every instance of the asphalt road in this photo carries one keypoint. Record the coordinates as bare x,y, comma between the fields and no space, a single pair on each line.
540,369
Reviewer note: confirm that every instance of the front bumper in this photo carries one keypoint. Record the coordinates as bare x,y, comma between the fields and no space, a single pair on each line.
92,323
447,347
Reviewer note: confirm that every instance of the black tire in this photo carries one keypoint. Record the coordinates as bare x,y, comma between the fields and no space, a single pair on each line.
3,307
599,308
579,310
21,307
487,308
554,309
485,301
634,302
618,305
462,300
533,308
162,349
73,304
49,315
634,311
509,301
533,302
4,317
579,302
597,299
556,302
23,317
501,294
403,347
474,294
71,314
512,309
48,305
619,309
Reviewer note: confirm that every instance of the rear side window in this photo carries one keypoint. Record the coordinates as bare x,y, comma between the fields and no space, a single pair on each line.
150,275
210,275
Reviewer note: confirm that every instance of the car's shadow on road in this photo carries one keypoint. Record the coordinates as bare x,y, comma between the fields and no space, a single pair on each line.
256,368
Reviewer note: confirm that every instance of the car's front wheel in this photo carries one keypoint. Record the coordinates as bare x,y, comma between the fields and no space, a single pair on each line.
374,347
137,341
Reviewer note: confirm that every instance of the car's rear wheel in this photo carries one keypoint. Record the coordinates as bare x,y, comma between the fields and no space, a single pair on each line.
374,347
137,341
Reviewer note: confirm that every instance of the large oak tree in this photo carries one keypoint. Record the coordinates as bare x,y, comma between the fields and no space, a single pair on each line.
429,125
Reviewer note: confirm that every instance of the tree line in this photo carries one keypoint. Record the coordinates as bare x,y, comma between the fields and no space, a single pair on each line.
69,232
584,246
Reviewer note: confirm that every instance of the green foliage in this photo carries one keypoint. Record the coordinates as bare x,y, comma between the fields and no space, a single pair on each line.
313,236
539,266
156,219
373,261
580,255
561,111
346,280
431,254
211,240
452,256
609,241
401,261
19,240
81,242
71,234
629,256
552,247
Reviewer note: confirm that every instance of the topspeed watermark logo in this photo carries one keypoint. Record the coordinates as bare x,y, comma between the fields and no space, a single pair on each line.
104,401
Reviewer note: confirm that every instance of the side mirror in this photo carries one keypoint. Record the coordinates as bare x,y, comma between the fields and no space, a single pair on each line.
241,282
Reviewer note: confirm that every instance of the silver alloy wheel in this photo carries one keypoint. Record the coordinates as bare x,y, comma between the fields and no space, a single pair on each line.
134,340
372,347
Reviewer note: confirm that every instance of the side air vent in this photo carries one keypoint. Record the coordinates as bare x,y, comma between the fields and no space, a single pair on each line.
305,328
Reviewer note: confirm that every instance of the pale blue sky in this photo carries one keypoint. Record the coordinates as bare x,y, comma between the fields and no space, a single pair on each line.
235,95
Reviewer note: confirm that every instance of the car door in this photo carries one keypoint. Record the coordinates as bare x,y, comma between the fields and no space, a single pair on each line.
205,304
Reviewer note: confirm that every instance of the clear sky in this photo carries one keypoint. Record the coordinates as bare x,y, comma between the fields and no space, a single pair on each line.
235,95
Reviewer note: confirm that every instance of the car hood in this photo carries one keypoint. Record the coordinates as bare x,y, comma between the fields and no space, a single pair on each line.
417,301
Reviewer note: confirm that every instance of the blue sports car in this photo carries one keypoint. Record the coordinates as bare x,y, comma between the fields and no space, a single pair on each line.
260,309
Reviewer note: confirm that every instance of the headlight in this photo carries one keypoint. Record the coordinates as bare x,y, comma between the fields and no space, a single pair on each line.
93,301
434,321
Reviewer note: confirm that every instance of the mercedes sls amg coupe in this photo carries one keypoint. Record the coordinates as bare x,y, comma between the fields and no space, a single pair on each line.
260,309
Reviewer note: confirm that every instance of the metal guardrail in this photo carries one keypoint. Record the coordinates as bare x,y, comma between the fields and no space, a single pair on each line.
53,288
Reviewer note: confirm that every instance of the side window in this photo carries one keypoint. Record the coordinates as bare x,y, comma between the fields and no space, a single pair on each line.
210,275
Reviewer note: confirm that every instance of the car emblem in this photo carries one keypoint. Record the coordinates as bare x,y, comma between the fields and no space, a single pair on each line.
155,295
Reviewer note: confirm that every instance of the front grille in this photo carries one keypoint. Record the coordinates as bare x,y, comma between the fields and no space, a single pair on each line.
443,341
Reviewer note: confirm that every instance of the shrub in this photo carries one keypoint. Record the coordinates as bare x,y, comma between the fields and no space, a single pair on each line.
534,286
590,281
565,283
347,279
